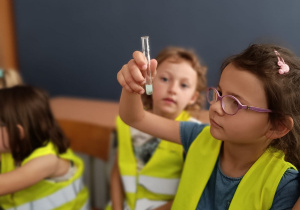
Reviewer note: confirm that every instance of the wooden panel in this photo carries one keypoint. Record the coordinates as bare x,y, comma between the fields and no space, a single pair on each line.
8,56
98,112
87,138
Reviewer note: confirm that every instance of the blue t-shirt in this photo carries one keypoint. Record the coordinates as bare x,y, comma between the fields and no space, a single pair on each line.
220,188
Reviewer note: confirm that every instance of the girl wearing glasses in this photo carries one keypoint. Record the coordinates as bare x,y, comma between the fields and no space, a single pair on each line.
248,157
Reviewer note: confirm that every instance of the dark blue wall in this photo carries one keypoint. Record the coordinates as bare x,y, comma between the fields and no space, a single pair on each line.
76,47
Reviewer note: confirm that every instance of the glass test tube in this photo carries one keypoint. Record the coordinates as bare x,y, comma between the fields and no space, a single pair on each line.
146,51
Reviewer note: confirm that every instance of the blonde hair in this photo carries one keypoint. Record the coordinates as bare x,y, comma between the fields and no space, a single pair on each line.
9,78
179,54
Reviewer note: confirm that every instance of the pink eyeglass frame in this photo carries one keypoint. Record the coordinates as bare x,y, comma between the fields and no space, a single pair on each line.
240,105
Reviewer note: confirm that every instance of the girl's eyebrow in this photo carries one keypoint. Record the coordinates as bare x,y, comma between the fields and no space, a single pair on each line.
184,78
163,73
235,95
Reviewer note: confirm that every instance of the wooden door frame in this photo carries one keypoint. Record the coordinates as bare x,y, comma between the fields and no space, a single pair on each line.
8,52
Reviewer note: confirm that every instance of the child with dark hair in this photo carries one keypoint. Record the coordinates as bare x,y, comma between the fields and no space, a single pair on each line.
38,169
249,155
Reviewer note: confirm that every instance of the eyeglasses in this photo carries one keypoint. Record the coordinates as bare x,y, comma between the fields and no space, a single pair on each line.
230,104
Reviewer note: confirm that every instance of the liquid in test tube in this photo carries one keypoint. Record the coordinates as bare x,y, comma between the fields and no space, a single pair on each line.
146,51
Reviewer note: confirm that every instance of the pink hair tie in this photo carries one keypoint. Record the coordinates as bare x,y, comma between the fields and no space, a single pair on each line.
284,68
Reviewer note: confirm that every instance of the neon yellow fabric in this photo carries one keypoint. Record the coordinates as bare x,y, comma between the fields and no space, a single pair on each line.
44,188
166,163
256,190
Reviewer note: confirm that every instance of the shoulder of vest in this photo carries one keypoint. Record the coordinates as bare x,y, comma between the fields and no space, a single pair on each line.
48,149
261,181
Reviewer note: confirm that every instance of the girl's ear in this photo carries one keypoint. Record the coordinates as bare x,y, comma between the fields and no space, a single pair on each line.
21,131
281,128
194,98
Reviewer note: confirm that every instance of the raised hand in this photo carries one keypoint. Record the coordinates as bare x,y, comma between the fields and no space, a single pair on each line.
131,76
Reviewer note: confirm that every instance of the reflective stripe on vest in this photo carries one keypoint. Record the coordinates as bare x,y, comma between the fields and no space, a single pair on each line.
159,185
56,199
129,183
153,184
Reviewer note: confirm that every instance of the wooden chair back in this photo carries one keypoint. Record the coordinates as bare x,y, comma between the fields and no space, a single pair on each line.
87,138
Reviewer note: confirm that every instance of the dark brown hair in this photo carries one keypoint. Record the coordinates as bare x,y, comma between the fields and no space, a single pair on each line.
282,90
29,107
179,54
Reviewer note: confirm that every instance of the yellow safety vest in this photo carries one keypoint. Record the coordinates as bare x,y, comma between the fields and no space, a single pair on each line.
256,190
46,194
158,180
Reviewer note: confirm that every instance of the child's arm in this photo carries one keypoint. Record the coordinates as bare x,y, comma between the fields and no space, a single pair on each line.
297,205
28,174
131,108
116,189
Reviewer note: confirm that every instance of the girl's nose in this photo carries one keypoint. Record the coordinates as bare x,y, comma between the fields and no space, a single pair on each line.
172,87
217,107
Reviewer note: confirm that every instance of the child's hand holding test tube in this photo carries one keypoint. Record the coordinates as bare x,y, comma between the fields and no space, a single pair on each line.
136,73
148,76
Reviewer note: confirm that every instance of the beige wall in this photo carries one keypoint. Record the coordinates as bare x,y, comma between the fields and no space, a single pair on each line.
8,58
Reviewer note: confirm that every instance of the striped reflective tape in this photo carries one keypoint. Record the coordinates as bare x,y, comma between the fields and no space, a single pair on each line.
165,186
56,199
129,183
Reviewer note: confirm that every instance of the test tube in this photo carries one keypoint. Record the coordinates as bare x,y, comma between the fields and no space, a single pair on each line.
146,51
